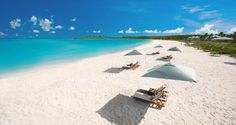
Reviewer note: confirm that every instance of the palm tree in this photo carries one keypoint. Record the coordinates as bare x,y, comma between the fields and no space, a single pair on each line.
210,36
203,37
234,36
221,34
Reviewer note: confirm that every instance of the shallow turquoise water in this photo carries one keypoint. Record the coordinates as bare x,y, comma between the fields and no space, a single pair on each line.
25,53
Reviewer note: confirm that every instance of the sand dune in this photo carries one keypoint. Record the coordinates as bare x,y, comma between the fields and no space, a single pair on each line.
97,91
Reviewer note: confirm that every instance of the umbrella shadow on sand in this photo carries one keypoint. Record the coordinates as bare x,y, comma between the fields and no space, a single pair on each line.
114,70
123,110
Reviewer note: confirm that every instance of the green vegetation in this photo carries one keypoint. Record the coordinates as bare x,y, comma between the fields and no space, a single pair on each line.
222,34
223,47
233,35
174,37
215,47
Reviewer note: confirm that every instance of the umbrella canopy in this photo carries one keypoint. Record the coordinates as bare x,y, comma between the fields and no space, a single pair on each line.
175,49
172,71
133,52
158,46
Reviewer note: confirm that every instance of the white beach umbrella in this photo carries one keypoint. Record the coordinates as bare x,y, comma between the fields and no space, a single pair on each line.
133,52
175,49
172,71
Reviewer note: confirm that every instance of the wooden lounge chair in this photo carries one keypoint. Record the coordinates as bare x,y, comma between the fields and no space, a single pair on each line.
127,66
135,66
162,88
156,97
166,58
153,91
155,101
131,66
154,53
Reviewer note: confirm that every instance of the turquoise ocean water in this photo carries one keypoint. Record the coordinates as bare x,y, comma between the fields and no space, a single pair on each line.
25,53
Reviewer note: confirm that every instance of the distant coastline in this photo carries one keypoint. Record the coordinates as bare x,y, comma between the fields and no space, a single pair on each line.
216,44
171,37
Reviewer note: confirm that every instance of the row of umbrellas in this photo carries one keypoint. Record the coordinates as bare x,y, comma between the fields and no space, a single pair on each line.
136,52
169,70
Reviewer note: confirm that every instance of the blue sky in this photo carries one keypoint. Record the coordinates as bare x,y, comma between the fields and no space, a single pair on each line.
65,19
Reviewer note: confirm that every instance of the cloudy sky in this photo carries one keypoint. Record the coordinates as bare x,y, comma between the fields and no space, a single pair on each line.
65,19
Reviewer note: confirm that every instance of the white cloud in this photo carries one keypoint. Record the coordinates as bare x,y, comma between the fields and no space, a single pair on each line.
53,32
58,27
175,31
73,19
121,31
203,12
209,14
193,9
2,34
192,23
232,30
45,24
97,31
223,25
207,28
152,31
130,31
15,23
35,31
34,20
72,28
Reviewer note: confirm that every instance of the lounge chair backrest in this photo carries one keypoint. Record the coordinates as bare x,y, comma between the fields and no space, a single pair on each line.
142,96
157,96
161,88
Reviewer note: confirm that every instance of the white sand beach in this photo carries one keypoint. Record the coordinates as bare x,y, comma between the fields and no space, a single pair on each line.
96,91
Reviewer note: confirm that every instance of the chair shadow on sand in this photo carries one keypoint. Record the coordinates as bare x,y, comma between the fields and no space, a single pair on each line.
123,110
114,70
230,63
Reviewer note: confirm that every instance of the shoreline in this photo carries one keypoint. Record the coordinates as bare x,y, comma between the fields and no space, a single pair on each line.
85,92
59,62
